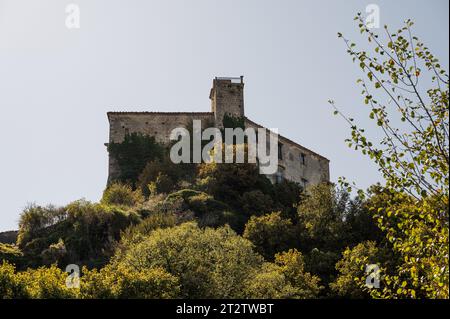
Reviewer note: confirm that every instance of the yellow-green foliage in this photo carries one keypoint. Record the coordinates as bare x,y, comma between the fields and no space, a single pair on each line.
10,253
285,278
322,213
128,283
10,285
47,283
418,231
351,279
122,195
41,283
209,262
270,234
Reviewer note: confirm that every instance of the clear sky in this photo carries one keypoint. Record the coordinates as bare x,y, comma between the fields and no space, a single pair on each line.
56,84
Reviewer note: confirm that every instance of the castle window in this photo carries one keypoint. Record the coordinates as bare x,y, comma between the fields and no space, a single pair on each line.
280,151
279,176
303,159
304,183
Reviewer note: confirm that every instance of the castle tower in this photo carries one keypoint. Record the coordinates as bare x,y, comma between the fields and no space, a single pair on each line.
227,97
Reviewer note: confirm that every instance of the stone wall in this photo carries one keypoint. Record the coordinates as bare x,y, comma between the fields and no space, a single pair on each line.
227,97
156,124
298,163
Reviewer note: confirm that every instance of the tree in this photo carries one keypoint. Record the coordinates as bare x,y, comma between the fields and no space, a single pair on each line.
210,263
412,155
285,278
351,266
270,234
321,214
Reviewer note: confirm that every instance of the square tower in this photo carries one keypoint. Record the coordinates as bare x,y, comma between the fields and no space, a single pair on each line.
227,97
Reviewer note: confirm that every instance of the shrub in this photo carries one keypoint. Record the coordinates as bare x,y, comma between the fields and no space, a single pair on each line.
47,283
41,283
208,211
126,283
163,175
162,185
286,278
11,254
55,254
133,154
121,194
268,283
34,219
10,285
322,264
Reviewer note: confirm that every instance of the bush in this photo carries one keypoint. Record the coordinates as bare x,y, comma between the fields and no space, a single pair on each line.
11,254
34,219
162,185
126,283
208,211
47,283
41,283
133,154
55,254
269,282
10,285
286,278
122,195
292,266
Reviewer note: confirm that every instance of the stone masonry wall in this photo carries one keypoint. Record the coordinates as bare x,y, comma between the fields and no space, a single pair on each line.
314,169
297,163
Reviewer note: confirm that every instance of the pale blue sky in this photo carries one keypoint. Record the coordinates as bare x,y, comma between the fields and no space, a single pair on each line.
56,85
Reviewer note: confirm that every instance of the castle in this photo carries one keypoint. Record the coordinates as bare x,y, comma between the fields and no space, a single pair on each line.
295,162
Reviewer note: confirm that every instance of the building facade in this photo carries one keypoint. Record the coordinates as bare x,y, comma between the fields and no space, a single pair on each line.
295,162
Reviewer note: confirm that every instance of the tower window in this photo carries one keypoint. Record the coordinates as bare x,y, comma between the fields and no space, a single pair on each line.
303,159
280,151
279,176
304,182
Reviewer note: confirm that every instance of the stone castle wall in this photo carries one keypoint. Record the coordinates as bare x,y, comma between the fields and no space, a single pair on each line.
296,162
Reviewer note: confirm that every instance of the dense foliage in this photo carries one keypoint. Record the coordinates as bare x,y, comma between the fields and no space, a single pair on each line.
407,93
225,231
